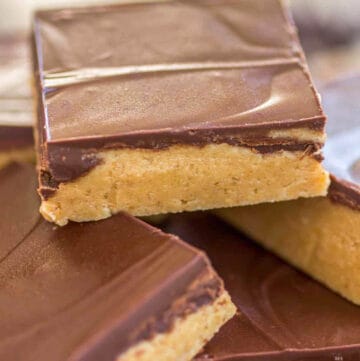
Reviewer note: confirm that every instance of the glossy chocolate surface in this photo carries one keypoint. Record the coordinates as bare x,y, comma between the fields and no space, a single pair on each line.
156,74
87,292
284,315
16,110
341,100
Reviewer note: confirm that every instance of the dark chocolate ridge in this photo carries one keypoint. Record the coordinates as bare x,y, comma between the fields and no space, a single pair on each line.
345,193
68,164
201,292
14,137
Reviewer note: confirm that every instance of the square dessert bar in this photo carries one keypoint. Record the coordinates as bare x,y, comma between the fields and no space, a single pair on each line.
320,235
117,289
16,111
283,314
171,106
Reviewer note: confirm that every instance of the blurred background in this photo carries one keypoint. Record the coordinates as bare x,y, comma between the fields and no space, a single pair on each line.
329,30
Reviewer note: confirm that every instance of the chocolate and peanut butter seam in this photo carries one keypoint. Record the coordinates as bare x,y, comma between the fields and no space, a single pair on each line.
201,292
68,164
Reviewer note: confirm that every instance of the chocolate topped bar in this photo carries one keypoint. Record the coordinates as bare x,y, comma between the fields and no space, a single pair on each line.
206,73
16,112
171,86
283,314
98,291
341,100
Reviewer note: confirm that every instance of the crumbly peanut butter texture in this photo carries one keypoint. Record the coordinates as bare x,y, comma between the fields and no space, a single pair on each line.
188,336
147,182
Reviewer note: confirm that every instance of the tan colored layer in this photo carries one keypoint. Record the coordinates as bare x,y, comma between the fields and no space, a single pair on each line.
316,235
301,134
184,178
187,337
18,155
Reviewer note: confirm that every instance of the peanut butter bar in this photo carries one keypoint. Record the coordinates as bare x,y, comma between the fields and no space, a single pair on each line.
164,107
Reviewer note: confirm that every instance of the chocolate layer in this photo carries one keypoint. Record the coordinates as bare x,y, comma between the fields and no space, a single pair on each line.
342,149
89,291
209,71
16,113
283,314
344,192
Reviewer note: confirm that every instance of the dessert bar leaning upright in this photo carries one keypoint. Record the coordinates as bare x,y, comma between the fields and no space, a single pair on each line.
284,315
171,106
16,111
117,289
321,235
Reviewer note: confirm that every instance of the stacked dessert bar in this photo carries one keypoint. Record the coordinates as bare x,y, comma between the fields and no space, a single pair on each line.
173,106
161,107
